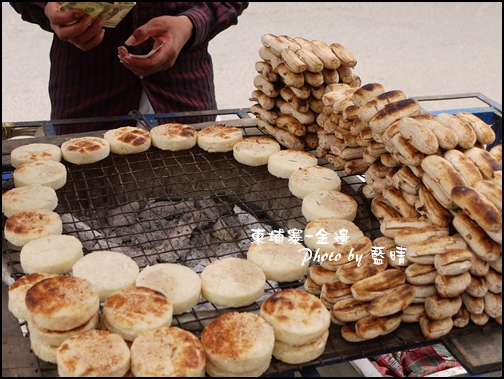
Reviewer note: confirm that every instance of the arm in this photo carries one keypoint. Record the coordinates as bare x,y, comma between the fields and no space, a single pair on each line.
34,13
72,26
209,19
190,29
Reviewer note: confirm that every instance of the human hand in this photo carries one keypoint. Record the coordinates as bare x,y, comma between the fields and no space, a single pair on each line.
173,31
75,26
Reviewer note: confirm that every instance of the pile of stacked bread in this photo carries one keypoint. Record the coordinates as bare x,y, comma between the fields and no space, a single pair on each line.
438,195
293,76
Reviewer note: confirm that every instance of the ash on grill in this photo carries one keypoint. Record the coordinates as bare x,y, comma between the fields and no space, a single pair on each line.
170,231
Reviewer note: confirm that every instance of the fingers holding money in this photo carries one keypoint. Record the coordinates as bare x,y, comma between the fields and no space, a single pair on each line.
75,27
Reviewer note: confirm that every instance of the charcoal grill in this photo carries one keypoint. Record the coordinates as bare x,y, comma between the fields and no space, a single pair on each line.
195,182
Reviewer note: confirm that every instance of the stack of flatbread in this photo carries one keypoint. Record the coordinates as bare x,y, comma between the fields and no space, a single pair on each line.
58,307
238,344
301,324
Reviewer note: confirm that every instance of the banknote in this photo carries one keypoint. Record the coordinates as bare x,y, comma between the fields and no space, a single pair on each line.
112,13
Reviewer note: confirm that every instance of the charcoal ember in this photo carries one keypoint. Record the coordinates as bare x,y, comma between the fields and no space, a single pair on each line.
166,209
123,215
225,229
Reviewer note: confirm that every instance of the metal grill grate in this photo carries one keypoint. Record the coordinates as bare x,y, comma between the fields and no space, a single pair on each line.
194,182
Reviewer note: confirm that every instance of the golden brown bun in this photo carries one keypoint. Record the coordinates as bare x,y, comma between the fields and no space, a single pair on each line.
413,312
333,291
479,267
321,275
390,226
461,318
464,166
434,246
350,310
394,301
438,308
465,133
85,150
406,237
479,241
356,270
349,334
452,286
479,318
373,326
433,329
311,287
360,245
371,288
484,132
478,207
473,304
453,262
419,274
493,304
494,281
428,206
128,140
478,286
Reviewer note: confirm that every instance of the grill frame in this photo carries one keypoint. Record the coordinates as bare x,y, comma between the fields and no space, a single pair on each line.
337,349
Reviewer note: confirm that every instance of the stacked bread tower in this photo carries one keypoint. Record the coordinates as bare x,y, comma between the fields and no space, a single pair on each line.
438,195
293,77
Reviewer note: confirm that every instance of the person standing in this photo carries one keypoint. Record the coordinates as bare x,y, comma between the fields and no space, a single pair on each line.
93,74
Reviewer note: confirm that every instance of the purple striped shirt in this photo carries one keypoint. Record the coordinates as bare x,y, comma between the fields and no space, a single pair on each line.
94,83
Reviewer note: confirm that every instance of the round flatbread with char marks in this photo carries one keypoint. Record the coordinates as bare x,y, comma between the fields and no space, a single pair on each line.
35,152
174,137
219,138
30,225
85,150
128,140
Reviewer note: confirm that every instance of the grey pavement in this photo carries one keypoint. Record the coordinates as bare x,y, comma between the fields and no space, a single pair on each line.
422,49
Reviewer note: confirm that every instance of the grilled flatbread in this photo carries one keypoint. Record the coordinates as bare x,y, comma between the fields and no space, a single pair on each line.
17,293
128,140
174,137
62,302
108,271
238,342
131,311
54,254
219,138
27,226
329,203
232,282
282,262
255,151
301,353
33,196
313,178
93,353
284,162
297,317
45,172
85,150
35,152
167,352
180,284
